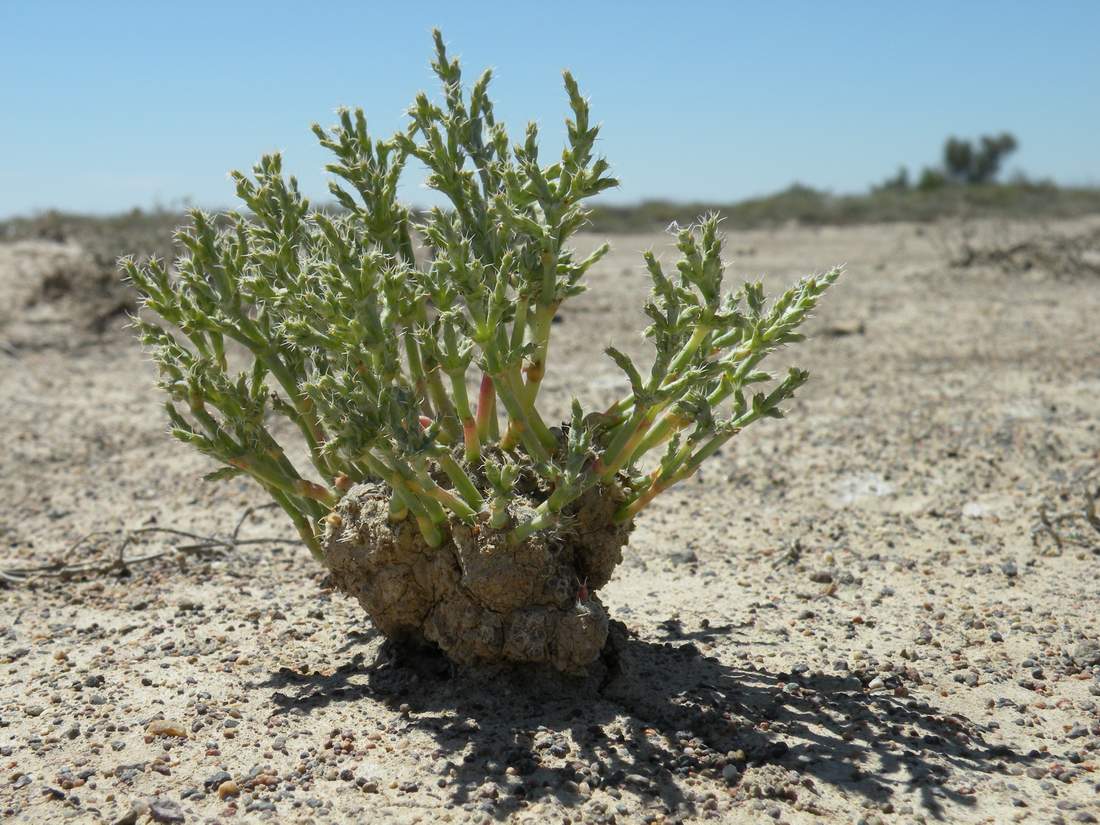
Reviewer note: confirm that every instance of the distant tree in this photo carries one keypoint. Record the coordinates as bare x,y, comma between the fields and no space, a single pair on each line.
994,150
964,162
898,183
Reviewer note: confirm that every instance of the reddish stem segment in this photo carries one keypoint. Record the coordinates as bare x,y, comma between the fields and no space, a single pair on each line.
486,409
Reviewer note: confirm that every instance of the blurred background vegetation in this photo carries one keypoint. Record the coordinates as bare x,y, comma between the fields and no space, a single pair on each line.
967,184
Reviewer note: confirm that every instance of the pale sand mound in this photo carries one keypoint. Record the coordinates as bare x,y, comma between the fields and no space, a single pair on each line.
853,615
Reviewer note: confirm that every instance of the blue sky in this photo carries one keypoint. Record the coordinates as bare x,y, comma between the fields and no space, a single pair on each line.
109,105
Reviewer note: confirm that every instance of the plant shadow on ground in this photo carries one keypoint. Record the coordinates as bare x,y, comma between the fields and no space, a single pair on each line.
655,714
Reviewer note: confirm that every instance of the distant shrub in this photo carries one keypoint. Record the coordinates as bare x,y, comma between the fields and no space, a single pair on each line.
899,182
931,180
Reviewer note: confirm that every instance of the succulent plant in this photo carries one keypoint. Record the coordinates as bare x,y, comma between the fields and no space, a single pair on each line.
408,352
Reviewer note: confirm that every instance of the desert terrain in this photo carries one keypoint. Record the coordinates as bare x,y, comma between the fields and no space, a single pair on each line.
881,609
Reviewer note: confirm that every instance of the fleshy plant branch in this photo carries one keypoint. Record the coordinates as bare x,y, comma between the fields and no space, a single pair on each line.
422,372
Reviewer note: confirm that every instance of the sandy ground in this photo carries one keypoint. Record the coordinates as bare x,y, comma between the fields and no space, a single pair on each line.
883,609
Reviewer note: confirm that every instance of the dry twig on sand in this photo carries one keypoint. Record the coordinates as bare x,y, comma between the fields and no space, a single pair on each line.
118,562
1062,527
1090,508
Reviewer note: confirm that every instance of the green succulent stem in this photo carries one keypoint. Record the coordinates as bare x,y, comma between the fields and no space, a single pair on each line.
626,441
672,422
521,423
530,415
399,509
272,477
427,487
498,512
416,370
547,513
545,516
687,460
423,489
425,519
628,512
536,371
519,323
429,530
684,356
445,410
471,437
462,481
542,519
301,523
669,424
309,427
